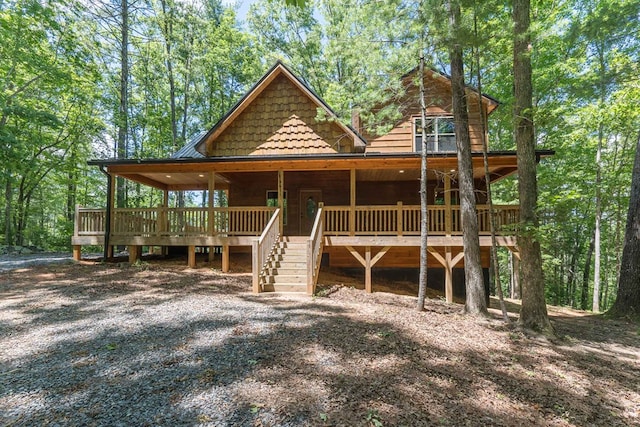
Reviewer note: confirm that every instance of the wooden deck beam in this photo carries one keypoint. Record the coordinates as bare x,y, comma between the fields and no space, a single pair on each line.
368,262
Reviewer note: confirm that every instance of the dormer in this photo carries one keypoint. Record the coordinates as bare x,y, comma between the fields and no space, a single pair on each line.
406,133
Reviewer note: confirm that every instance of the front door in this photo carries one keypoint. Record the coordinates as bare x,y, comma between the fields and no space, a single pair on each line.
309,200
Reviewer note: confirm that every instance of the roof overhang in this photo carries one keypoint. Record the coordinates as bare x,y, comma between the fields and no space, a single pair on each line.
194,174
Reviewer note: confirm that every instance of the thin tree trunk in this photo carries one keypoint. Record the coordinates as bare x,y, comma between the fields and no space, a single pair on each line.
586,273
515,277
533,314
424,212
627,303
495,266
476,302
8,238
596,267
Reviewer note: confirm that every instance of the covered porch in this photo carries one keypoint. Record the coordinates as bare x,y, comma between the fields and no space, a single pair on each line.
366,205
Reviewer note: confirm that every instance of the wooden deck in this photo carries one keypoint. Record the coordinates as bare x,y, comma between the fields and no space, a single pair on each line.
366,233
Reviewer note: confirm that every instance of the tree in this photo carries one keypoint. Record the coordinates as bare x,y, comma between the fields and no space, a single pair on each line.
533,314
424,211
627,303
476,302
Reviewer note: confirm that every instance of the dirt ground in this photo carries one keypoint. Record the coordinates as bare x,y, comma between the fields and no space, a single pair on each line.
355,359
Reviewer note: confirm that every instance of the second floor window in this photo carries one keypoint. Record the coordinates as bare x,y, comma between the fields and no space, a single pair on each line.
440,131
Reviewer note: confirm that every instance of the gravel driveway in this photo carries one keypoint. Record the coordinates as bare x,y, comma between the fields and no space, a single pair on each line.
86,344
11,262
145,353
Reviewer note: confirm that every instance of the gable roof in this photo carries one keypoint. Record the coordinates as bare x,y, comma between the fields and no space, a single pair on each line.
278,69
492,103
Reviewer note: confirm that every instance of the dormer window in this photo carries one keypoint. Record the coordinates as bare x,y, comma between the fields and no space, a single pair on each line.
440,131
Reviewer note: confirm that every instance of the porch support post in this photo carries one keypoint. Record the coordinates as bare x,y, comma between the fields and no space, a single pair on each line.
211,187
225,258
399,220
111,215
447,203
191,259
352,202
281,199
164,250
77,252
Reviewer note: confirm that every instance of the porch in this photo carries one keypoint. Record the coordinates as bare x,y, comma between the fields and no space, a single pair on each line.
365,233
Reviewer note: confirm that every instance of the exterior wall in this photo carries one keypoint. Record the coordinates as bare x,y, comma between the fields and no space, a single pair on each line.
438,99
279,121
250,189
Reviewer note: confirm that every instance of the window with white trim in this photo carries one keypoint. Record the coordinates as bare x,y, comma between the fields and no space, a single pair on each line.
440,132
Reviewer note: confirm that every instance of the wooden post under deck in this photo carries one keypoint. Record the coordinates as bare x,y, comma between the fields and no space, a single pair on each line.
77,252
191,258
225,258
134,253
448,263
368,262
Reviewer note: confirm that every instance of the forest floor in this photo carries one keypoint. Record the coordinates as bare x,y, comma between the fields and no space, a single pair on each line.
157,343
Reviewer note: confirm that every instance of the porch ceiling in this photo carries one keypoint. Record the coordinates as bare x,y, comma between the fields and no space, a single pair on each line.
193,174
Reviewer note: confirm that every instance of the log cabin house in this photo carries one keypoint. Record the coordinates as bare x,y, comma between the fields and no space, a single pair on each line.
304,192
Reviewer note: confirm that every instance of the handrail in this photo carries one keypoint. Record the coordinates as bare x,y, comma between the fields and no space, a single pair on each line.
263,247
314,251
404,220
163,221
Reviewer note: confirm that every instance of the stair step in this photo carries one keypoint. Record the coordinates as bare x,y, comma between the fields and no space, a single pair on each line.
295,239
284,288
273,264
286,271
289,257
286,278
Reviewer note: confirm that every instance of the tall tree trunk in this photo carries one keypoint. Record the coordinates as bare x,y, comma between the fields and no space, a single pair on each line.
476,302
424,212
533,314
123,112
627,303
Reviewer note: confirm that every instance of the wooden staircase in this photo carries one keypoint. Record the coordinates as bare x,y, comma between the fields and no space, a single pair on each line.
286,269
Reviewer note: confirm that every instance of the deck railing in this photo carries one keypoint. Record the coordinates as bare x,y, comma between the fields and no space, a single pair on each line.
314,251
89,222
250,221
181,222
405,220
263,247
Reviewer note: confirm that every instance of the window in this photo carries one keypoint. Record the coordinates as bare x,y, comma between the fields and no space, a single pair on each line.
272,201
440,131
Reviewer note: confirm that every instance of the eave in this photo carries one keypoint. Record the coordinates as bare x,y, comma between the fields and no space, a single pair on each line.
192,174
